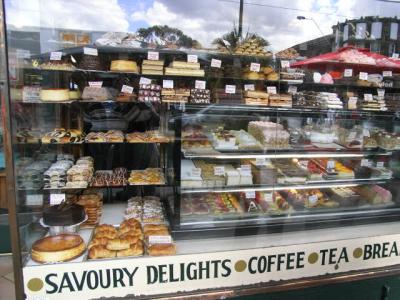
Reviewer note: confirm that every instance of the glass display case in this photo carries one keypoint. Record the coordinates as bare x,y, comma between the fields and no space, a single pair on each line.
148,164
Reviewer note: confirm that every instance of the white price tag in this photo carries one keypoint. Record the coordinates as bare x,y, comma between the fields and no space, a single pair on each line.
250,194
255,67
195,172
366,133
363,75
268,197
313,199
331,164
97,84
395,55
249,87
127,89
364,163
292,89
200,84
219,170
348,73
271,89
387,74
352,103
151,55
380,164
352,135
90,51
285,64
191,58
168,84
56,55
160,239
260,161
381,92
368,97
216,63
144,80
56,198
34,200
230,89
245,170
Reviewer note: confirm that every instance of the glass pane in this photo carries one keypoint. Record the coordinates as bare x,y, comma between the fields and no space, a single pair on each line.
376,31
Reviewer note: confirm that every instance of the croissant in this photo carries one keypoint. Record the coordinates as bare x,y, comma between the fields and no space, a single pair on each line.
156,232
98,241
118,244
154,227
161,249
132,222
133,250
125,226
100,252
104,227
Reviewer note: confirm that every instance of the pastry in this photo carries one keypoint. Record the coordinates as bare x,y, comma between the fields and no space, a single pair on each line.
104,227
54,95
269,134
161,249
100,251
147,176
57,248
152,67
133,250
124,66
98,241
99,93
117,244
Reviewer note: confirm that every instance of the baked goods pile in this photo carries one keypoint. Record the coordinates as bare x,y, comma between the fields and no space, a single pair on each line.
109,241
280,100
149,92
149,176
252,47
56,176
256,98
93,205
80,174
289,53
180,95
152,67
150,136
111,136
116,177
183,68
269,134
58,248
121,65
63,136
204,204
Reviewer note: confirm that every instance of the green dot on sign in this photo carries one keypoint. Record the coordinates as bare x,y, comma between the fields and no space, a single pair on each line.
240,266
313,258
35,284
357,253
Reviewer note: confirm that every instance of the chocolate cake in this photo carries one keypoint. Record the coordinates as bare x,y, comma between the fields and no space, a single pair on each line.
90,62
70,215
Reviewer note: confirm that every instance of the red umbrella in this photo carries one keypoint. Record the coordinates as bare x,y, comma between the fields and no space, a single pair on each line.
351,57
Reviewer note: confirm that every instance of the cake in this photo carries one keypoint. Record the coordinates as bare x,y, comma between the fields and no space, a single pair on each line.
57,216
152,67
124,66
54,95
58,248
269,134
74,95
91,62
99,93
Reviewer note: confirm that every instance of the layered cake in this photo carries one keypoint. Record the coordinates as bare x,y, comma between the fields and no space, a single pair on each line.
182,68
58,248
256,98
152,67
91,62
63,215
124,66
280,100
54,95
269,134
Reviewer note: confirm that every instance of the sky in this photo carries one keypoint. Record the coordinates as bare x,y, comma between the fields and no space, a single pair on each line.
203,20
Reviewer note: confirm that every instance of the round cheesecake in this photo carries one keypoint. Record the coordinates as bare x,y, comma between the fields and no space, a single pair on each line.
124,65
57,248
74,214
54,95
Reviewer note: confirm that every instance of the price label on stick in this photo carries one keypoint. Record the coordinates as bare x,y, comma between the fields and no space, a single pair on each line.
292,89
363,76
151,55
191,58
160,239
352,103
250,194
381,92
219,170
368,97
216,63
126,89
249,87
200,84
56,55
144,80
90,51
56,198
387,74
168,84
313,199
331,164
97,84
364,163
230,89
285,64
255,67
348,72
271,89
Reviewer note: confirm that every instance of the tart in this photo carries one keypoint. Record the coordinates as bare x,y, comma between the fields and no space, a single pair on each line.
58,248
